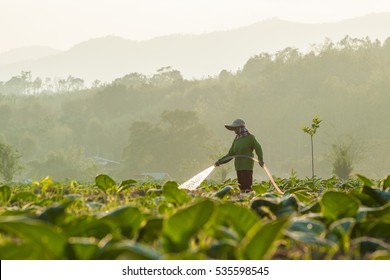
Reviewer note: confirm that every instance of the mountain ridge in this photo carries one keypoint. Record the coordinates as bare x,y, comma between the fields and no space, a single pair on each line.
26,53
195,56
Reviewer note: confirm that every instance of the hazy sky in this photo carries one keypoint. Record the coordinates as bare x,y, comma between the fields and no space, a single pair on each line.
62,23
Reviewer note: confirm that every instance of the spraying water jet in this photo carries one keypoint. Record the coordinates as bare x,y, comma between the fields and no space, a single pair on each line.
195,181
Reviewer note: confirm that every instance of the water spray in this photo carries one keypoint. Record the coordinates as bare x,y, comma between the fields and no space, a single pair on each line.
195,181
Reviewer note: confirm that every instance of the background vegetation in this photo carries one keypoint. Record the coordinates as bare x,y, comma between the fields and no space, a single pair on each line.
164,123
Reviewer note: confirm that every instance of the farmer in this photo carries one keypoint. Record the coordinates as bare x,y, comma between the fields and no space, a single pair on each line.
242,150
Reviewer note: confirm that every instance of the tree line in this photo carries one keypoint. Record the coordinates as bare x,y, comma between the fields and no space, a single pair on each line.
165,123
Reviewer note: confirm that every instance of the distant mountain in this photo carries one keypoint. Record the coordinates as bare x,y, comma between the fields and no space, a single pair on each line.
195,56
26,53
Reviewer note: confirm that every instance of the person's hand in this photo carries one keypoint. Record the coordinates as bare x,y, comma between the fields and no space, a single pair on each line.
261,163
217,163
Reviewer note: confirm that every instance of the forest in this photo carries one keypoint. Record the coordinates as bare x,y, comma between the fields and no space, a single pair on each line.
163,123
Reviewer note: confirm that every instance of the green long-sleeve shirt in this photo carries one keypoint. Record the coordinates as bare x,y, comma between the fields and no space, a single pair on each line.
244,146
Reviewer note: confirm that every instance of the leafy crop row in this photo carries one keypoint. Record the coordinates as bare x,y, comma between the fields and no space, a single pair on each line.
314,219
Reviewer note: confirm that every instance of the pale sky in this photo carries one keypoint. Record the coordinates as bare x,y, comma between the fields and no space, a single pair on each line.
63,23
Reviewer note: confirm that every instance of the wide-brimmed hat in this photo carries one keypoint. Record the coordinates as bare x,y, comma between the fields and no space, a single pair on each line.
236,123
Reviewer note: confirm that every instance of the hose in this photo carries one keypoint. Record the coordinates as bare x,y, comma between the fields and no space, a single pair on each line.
229,158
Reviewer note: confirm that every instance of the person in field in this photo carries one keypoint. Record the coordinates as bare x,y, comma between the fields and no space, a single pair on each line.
242,150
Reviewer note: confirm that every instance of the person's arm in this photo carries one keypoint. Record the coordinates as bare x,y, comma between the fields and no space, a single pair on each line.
226,158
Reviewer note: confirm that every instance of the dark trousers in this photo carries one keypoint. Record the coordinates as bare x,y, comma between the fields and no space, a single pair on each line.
245,178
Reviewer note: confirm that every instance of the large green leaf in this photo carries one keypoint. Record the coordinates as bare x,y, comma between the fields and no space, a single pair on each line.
105,182
381,197
223,192
127,219
365,199
55,213
36,232
18,212
175,195
341,228
305,238
124,221
225,233
287,205
24,196
368,245
315,207
151,230
264,207
307,225
381,213
365,180
181,226
308,231
386,183
128,250
303,197
376,228
260,189
126,184
5,193
82,248
222,250
340,232
337,205
89,226
239,217
260,240
24,251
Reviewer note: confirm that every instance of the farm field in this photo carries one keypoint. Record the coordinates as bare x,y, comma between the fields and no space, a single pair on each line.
313,219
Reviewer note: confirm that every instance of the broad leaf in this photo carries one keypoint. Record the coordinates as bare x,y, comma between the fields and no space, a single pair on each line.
240,218
259,189
181,226
305,238
376,228
127,219
312,208
337,205
151,230
105,182
386,183
381,197
223,192
5,193
89,226
222,250
365,180
307,225
175,195
37,232
381,213
264,207
55,214
82,248
260,240
288,205
128,250
24,196
340,232
367,245
25,251
126,184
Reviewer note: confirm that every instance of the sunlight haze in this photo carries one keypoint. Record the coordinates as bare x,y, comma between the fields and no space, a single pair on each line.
61,24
